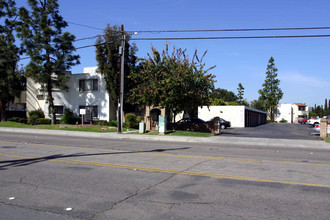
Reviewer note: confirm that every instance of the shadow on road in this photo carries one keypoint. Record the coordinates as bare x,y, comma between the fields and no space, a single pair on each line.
25,162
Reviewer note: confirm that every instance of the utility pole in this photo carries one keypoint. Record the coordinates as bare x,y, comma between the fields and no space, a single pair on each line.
121,93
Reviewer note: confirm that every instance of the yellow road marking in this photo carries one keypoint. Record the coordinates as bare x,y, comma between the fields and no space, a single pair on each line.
171,171
175,155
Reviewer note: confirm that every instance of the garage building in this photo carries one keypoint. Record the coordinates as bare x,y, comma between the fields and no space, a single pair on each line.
240,116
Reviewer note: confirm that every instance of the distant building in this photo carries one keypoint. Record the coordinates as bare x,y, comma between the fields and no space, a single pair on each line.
239,116
291,112
86,90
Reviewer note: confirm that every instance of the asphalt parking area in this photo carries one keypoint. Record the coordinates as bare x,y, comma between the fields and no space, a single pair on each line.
275,130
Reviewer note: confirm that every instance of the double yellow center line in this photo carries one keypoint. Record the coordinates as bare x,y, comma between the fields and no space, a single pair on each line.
137,168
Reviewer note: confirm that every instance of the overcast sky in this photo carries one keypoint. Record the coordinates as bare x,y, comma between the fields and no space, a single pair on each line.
302,62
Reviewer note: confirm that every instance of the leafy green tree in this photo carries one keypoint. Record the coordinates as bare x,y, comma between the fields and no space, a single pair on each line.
50,49
10,76
240,91
217,102
171,80
258,104
271,93
108,58
224,94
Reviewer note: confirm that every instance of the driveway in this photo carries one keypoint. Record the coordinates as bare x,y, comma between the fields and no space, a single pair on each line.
275,130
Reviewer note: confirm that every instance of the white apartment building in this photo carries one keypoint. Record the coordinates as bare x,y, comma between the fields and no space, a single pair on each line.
86,90
291,112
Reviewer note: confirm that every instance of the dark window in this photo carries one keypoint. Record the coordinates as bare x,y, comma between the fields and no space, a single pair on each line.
301,108
81,85
40,97
95,84
59,109
88,85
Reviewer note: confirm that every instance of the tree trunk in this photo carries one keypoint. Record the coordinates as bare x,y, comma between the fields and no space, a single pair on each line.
3,115
51,103
272,114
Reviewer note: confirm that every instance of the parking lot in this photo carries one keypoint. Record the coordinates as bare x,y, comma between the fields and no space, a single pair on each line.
275,130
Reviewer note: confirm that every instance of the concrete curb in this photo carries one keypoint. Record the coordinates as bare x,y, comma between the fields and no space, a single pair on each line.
267,142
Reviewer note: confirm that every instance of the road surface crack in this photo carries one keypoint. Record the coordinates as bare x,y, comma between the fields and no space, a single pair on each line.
138,192
30,184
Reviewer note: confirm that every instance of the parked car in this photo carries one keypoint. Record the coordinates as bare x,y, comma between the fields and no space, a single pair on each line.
191,120
303,120
224,124
317,128
314,121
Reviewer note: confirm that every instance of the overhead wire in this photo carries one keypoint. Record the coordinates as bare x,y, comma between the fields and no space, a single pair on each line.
232,30
77,48
200,38
225,38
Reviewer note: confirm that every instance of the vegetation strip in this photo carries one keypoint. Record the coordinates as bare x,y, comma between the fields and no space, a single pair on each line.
171,171
175,155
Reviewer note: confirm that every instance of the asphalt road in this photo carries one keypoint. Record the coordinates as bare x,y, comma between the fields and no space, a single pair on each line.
275,130
56,177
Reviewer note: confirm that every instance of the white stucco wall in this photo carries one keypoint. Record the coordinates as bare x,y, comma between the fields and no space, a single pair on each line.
73,98
32,90
234,114
284,111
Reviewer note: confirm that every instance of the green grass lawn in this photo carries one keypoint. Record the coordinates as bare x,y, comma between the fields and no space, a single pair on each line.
327,139
97,128
88,128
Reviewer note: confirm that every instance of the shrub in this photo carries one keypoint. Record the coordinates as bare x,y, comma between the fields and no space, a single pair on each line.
138,119
14,119
69,118
101,122
43,121
33,119
283,121
22,120
39,113
18,119
131,120
34,115
113,123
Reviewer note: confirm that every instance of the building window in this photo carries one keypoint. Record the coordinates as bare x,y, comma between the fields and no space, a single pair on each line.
59,109
302,108
91,110
40,97
88,85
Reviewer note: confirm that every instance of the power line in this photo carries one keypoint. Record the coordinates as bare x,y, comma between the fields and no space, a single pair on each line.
233,30
191,38
77,48
83,25
225,38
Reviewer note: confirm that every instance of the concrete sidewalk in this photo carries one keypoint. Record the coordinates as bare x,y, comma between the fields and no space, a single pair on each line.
267,142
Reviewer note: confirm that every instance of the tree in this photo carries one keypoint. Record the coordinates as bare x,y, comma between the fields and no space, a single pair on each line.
50,50
271,94
171,80
240,91
224,94
258,104
10,76
326,107
108,58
